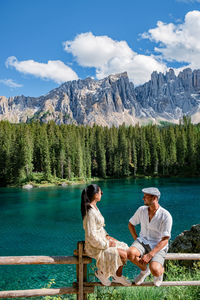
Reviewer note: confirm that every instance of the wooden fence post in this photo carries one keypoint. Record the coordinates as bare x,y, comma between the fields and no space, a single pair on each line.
84,279
79,271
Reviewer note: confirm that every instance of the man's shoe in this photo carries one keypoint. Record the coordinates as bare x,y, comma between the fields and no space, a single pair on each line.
122,280
158,280
141,277
104,281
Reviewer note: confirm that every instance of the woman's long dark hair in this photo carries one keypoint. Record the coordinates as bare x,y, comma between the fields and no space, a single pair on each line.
87,197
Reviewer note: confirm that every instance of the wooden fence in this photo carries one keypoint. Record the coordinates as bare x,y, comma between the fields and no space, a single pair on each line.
81,287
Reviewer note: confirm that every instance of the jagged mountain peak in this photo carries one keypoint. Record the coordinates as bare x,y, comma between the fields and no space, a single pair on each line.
114,77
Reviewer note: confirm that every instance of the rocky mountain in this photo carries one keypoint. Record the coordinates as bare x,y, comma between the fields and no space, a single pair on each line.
111,101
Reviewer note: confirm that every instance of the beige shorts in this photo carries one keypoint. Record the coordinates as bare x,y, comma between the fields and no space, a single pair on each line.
145,248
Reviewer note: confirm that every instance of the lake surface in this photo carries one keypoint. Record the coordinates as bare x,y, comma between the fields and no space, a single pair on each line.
47,221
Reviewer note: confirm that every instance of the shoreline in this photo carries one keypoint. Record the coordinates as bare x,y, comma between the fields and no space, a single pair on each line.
46,184
57,182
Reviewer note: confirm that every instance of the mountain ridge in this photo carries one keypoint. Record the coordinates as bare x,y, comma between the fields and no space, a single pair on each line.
111,101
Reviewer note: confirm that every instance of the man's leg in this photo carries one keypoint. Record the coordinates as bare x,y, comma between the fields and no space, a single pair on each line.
134,255
156,267
135,252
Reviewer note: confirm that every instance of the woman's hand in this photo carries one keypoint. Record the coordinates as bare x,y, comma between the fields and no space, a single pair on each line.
112,243
110,238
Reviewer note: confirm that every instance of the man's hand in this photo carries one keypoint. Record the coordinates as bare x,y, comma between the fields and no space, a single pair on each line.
146,258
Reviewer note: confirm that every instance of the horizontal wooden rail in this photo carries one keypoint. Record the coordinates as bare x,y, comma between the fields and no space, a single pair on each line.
164,283
170,256
51,260
183,256
43,292
41,260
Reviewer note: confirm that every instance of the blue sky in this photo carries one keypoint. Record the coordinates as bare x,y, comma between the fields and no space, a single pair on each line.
44,43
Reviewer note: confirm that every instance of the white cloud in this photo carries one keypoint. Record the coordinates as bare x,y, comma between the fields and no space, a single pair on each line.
180,42
54,70
188,1
93,51
109,56
10,82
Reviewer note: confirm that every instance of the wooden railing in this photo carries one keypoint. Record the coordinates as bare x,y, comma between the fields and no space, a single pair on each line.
81,287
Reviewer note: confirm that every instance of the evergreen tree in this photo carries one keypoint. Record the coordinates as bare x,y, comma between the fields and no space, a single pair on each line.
78,164
123,153
109,148
45,157
171,151
181,146
26,153
100,153
87,152
155,145
145,152
191,147
162,156
7,164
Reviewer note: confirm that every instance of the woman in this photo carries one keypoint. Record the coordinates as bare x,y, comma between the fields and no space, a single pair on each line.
109,253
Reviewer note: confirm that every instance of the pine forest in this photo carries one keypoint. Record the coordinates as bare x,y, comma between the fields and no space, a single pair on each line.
70,151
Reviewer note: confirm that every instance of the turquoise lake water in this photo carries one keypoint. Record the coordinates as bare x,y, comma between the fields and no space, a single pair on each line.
47,221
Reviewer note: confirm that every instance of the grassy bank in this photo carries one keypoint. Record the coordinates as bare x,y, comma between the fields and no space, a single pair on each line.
173,273
38,180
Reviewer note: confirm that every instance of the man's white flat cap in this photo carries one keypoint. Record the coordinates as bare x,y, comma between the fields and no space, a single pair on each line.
152,191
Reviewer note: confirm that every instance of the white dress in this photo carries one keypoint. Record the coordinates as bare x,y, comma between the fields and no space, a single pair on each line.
97,245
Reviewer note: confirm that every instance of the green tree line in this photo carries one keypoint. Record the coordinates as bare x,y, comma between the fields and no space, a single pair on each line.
70,151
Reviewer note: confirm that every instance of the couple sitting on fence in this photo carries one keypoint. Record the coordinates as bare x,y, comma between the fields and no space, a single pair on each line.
148,251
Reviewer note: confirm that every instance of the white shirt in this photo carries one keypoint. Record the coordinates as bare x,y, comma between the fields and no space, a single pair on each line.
152,232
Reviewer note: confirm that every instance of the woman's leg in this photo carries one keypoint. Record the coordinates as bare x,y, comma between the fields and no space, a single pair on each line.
118,277
123,256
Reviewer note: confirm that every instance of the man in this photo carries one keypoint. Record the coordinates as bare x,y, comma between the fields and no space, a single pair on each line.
152,244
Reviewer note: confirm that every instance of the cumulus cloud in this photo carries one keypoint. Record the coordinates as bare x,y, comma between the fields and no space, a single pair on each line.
109,56
180,42
188,1
11,83
54,70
